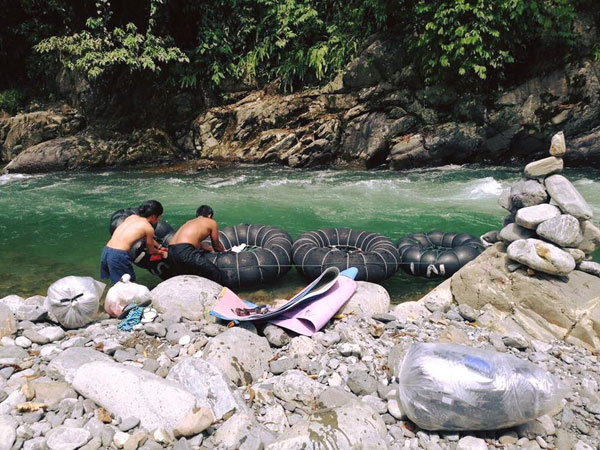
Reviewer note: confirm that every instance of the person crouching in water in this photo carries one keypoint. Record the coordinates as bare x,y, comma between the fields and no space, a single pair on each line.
186,249
115,260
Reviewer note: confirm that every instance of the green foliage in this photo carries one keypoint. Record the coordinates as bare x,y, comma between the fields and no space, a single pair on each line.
98,47
467,38
10,100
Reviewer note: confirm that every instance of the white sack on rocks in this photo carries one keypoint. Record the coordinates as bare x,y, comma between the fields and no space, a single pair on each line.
530,217
567,197
74,301
541,256
127,391
453,387
31,308
563,230
123,293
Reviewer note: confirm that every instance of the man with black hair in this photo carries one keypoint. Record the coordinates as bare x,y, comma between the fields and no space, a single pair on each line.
186,249
115,260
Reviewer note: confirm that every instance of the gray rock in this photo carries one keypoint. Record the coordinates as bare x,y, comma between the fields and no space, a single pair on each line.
52,333
282,364
471,443
353,425
65,364
544,167
35,337
505,202
369,299
333,397
295,386
590,267
276,336
513,232
155,329
567,197
125,391
527,193
468,313
563,230
564,440
558,146
438,299
67,438
591,237
331,338
241,355
52,392
192,296
541,256
8,324
12,355
122,355
361,383
208,384
129,423
530,217
578,255
240,431
175,332
515,340
8,432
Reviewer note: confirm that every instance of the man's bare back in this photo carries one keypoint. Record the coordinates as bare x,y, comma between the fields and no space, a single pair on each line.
195,231
131,230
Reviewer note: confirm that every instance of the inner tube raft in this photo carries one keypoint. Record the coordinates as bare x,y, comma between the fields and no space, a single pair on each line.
266,257
437,254
374,255
163,232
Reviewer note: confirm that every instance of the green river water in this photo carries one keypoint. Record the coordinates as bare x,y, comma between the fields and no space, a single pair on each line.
55,225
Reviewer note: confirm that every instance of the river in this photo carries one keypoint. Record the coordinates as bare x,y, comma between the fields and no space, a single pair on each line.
55,225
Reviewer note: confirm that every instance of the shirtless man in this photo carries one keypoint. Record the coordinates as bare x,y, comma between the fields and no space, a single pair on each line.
115,261
186,249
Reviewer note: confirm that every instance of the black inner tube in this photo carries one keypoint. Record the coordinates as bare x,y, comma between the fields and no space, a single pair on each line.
266,257
374,255
437,254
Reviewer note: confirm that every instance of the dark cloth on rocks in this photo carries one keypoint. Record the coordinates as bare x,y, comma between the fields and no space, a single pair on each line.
188,260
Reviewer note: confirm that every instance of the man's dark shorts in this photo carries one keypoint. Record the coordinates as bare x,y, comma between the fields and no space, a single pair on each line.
188,260
114,264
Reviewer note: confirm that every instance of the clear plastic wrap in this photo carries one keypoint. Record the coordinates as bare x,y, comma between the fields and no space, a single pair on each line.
124,293
453,387
74,301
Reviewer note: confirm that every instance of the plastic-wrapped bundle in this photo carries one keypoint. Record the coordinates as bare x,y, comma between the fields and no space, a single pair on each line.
123,293
452,387
73,301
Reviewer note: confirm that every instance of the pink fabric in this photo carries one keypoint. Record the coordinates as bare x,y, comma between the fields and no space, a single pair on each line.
310,317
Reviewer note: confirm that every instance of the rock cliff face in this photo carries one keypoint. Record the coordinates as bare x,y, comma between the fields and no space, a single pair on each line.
374,114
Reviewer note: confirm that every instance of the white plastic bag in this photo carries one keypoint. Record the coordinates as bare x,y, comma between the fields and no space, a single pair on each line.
74,301
123,293
452,387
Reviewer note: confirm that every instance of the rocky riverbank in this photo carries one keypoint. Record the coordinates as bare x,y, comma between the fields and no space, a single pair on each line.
181,381
374,114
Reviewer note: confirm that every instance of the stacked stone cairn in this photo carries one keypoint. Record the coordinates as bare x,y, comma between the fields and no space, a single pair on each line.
550,227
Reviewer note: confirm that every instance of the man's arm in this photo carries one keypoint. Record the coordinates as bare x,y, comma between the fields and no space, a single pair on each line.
214,237
151,244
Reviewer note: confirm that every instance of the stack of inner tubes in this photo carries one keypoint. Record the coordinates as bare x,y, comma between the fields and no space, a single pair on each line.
163,232
374,255
437,254
266,257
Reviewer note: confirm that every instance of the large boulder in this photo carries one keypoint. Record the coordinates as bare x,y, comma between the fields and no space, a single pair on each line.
192,296
241,355
127,391
541,256
54,155
65,365
369,299
544,305
210,387
351,426
567,197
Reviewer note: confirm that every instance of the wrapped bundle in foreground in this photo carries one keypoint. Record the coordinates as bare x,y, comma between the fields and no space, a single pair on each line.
73,301
452,387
